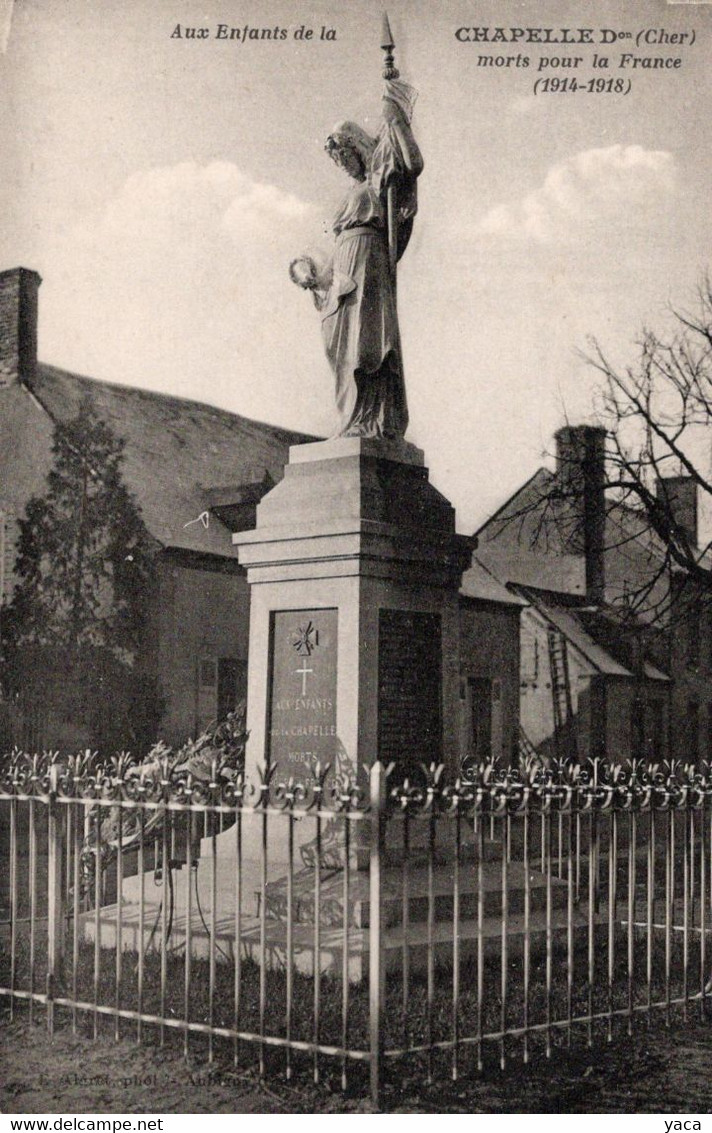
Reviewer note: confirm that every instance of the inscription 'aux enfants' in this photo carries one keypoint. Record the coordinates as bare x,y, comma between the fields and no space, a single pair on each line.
302,726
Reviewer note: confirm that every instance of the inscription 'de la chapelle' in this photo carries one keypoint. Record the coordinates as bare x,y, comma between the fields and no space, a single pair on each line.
302,707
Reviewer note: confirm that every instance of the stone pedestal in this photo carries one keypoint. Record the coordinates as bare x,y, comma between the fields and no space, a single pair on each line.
354,568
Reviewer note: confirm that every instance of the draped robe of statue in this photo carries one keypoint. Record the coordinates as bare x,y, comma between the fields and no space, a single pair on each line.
359,316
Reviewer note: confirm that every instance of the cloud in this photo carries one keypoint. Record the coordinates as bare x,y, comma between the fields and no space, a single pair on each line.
180,282
598,186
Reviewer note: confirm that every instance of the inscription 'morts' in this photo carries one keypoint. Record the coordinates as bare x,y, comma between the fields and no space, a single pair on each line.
409,689
302,706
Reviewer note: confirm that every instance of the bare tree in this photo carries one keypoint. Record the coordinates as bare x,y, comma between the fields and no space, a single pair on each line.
658,415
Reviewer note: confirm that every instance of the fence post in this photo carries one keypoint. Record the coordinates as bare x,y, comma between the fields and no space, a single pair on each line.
55,909
377,957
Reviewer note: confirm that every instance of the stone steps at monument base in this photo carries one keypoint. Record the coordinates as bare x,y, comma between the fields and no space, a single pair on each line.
332,895
418,935
331,942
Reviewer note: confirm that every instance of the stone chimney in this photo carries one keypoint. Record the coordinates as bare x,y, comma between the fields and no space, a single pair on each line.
580,468
18,325
680,495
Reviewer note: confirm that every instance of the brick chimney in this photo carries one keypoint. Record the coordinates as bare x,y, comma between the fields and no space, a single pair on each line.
680,496
580,468
18,325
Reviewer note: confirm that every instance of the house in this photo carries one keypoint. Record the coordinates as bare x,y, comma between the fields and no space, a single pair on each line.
197,473
489,666
616,649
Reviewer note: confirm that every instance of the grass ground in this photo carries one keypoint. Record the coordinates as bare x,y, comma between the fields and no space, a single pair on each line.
655,1071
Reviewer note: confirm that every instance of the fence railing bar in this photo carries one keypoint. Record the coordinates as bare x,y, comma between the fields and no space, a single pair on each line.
405,917
78,814
703,914
612,913
686,879
549,927
141,921
179,808
526,974
55,897
290,942
166,898
317,949
119,920
254,1037
578,855
237,953
187,960
457,854
377,973
560,844
669,898
650,911
345,957
430,1003
263,938
570,929
212,936
14,900
480,933
518,1032
504,940
33,901
632,846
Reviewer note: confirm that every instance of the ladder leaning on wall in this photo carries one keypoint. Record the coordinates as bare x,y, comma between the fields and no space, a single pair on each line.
564,727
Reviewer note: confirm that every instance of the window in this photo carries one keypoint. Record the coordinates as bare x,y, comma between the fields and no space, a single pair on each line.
8,536
232,685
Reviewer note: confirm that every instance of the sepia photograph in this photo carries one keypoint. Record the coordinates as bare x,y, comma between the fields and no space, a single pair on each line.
355,559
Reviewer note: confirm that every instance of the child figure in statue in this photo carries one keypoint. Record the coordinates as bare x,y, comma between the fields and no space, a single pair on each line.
355,294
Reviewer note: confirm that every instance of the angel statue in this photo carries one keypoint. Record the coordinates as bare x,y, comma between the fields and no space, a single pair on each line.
355,291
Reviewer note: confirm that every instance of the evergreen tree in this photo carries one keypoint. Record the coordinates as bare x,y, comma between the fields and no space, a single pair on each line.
76,629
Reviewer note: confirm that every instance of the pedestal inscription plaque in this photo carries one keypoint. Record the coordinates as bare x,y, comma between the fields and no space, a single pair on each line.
409,689
302,701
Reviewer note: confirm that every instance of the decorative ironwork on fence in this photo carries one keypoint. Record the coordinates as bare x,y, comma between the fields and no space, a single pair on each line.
354,924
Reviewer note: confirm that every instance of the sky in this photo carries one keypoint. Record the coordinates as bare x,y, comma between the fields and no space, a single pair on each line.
161,184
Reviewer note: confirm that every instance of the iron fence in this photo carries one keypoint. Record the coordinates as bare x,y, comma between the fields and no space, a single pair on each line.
352,925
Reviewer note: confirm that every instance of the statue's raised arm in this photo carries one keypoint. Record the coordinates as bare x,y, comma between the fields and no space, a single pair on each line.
356,293
397,161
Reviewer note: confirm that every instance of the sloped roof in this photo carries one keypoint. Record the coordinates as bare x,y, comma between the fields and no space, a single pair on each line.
527,540
578,627
479,582
176,451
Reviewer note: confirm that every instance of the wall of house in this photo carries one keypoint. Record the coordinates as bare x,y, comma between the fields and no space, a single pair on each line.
202,622
690,659
636,719
489,669
537,703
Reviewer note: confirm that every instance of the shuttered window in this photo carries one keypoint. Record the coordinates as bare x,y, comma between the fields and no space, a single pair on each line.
8,540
